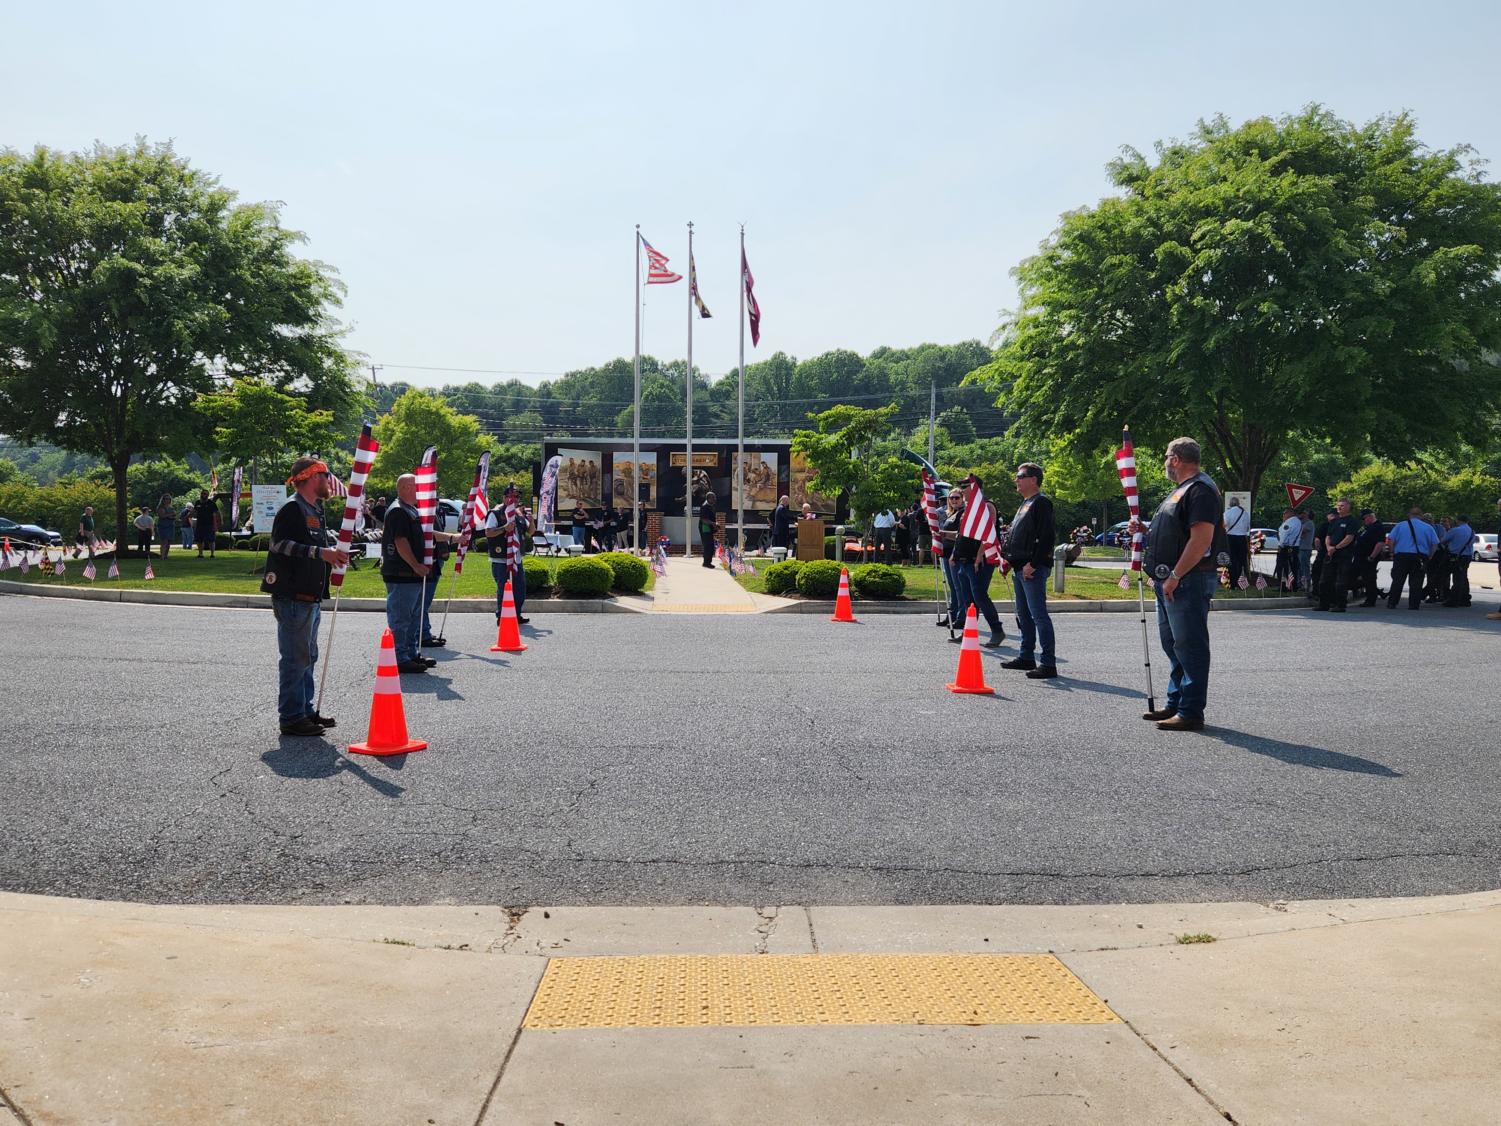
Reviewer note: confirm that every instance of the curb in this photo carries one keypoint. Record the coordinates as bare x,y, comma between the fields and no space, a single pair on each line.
1094,606
263,601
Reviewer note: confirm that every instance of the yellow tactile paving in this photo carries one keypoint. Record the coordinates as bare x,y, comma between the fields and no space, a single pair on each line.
688,991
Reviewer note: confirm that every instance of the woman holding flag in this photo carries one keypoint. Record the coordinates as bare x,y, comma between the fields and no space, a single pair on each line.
976,554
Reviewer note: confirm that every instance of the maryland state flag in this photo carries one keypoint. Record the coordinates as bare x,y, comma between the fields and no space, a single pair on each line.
703,310
752,308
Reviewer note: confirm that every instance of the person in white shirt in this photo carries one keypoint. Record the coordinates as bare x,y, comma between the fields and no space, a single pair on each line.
1238,531
884,524
1288,535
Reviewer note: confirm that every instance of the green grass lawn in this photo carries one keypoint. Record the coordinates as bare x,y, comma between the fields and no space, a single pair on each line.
237,572
1085,583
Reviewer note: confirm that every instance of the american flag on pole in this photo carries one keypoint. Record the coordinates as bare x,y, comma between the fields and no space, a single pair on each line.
657,272
752,309
427,499
1125,465
930,510
114,569
364,457
88,571
150,574
476,508
979,523
234,504
341,489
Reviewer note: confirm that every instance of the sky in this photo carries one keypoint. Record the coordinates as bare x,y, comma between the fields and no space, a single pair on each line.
475,171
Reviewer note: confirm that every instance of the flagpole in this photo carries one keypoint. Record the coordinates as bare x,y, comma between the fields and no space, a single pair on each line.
739,485
328,652
1146,649
688,444
636,411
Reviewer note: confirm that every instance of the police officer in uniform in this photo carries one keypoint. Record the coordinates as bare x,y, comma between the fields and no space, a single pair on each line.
1369,542
1185,548
297,568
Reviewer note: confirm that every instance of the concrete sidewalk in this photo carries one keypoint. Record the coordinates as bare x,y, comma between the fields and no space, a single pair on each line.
1373,1011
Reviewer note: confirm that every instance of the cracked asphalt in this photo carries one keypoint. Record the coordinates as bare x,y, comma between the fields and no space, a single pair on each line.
758,759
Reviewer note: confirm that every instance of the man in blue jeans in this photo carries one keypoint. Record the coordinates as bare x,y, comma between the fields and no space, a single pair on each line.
401,567
296,578
1181,558
1029,549
506,530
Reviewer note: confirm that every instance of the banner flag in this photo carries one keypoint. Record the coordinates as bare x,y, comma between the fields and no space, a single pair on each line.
365,450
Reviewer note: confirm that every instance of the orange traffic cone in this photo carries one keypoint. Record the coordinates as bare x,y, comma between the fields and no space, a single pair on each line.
508,637
842,609
388,721
971,675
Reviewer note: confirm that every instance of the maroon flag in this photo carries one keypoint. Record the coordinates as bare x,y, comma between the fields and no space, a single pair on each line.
1125,465
753,310
657,272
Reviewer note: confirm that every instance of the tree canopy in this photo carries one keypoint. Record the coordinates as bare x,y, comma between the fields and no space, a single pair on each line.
1297,276
129,282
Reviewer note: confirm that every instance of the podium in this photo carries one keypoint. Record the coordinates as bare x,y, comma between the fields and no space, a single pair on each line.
810,536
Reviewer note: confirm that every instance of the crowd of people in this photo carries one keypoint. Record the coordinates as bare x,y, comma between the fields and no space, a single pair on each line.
1336,560
156,528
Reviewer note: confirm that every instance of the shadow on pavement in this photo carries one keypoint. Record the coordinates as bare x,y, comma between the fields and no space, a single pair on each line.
1296,754
300,758
430,684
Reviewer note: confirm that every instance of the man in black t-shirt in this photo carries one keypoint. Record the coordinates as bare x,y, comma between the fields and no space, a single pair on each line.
1339,559
1180,557
706,528
1369,542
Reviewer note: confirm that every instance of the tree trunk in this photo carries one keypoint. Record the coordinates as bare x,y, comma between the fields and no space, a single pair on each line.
117,467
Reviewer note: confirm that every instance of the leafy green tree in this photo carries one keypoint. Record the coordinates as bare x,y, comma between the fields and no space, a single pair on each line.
1392,490
1298,275
254,423
149,481
526,427
417,420
11,473
957,422
841,454
128,281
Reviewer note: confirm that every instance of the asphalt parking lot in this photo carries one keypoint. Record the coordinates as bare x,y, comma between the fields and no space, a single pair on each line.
631,759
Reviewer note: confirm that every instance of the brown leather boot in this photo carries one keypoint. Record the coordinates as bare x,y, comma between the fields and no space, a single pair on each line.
1181,723
1160,713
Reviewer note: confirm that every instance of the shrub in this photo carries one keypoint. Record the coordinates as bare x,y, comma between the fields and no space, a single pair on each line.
58,506
539,577
258,542
818,579
630,573
781,578
828,547
877,580
223,541
584,577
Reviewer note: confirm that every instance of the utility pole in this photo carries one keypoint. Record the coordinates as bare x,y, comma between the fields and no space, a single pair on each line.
932,416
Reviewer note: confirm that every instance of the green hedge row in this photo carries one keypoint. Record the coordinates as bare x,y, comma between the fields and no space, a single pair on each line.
820,579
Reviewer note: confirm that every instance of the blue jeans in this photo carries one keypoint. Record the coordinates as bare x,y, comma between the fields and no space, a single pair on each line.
1183,626
1032,616
427,601
187,535
956,613
297,644
404,616
973,581
517,576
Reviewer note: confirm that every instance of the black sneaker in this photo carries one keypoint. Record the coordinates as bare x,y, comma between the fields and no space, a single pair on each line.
1019,663
997,639
324,720
428,661
941,623
307,725
520,621
418,665
1043,672
434,642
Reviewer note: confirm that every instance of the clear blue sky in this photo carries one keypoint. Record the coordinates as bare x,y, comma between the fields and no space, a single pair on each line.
474,171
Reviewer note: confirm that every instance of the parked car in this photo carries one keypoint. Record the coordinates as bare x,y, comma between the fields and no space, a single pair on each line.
1270,542
1485,547
29,535
1111,536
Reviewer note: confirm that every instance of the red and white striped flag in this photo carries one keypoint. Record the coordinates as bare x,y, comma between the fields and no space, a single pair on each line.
114,569
427,499
476,508
657,272
979,523
364,457
62,567
341,489
150,574
1125,465
930,510
88,571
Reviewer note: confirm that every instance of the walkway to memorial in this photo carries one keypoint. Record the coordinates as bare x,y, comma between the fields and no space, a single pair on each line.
689,587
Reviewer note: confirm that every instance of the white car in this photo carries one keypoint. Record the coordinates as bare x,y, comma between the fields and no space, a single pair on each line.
1485,547
1270,543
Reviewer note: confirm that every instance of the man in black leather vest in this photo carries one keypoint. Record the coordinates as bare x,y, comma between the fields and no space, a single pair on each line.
1181,559
296,578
